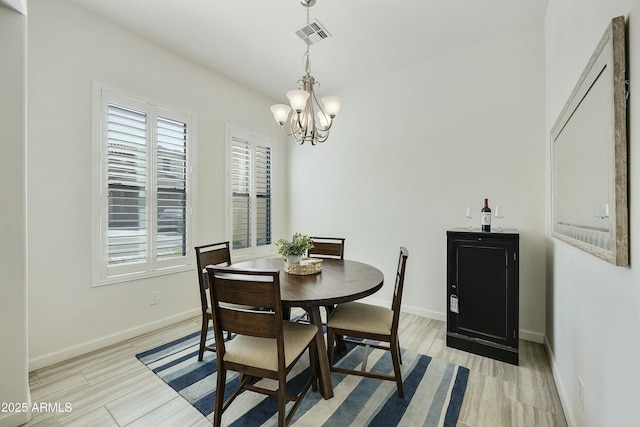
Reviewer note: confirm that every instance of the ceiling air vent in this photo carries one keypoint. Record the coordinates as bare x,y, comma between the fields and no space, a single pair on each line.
313,32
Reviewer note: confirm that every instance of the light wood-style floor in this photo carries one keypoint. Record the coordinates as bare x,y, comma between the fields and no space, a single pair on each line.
112,388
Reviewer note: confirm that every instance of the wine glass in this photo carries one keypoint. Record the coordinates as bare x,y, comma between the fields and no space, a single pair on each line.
499,214
470,215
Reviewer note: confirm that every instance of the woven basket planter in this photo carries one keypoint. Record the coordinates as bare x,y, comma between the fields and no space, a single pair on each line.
306,267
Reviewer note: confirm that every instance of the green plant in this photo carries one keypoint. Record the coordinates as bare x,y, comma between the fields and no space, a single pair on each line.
297,246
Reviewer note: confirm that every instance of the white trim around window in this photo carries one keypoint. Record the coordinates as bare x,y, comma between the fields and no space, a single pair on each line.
142,221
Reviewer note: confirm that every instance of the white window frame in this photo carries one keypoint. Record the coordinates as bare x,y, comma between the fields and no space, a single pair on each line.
102,273
253,251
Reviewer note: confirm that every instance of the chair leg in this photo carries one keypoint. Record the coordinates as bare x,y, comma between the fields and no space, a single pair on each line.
313,366
203,337
315,371
219,402
396,358
329,309
282,400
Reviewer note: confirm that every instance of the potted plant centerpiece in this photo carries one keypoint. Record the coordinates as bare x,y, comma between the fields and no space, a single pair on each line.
294,250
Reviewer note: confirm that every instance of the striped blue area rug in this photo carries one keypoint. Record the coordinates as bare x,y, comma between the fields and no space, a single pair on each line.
433,389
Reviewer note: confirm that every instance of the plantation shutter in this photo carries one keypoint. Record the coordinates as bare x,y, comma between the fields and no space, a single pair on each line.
240,192
171,199
250,186
127,185
263,194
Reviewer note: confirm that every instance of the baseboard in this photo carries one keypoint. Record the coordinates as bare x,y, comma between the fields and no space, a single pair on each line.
526,335
536,337
436,315
409,309
568,414
87,347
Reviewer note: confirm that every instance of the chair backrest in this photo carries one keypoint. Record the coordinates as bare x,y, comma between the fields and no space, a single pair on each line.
231,288
399,285
327,247
213,254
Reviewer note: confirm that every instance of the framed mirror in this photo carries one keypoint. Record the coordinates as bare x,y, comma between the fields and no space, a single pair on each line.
589,156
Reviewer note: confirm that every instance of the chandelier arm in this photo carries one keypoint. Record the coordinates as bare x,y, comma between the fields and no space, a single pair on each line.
297,127
311,117
299,121
322,138
328,119
294,125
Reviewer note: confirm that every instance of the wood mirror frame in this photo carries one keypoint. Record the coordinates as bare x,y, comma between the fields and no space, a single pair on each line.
589,156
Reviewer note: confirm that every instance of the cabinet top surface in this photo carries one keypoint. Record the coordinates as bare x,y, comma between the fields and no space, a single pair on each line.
477,231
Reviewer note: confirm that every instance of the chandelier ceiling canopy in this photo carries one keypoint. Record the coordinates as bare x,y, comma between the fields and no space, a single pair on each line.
305,124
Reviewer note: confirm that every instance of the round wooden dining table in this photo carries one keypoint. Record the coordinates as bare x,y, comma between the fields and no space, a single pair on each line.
339,281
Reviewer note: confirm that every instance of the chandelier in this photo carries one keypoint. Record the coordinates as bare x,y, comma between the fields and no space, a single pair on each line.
304,124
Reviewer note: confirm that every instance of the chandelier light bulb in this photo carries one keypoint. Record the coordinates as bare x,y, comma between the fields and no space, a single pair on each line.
298,99
332,105
281,113
324,119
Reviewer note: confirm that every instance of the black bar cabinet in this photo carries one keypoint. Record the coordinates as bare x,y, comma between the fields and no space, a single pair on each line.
482,292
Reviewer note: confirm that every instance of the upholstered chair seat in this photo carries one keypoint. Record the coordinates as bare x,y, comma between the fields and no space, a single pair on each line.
356,316
263,352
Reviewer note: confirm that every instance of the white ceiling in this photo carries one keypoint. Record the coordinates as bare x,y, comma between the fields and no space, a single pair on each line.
254,42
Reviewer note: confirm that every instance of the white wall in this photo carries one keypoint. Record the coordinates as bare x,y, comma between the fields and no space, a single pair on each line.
410,150
593,308
68,49
14,381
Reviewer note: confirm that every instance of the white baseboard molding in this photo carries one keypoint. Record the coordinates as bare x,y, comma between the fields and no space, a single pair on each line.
525,334
436,315
87,347
536,337
568,414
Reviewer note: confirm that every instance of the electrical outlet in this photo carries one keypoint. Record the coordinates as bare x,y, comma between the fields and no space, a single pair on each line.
155,297
581,392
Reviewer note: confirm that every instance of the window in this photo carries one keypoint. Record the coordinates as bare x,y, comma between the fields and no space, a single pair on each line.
142,192
249,192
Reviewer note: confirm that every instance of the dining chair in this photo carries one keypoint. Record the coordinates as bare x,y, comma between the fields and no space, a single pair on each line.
265,345
326,248
371,322
213,254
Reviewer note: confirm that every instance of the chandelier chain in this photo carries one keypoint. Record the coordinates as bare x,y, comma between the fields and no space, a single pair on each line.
307,66
307,13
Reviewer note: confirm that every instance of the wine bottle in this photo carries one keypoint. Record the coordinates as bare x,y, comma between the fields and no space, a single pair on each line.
485,216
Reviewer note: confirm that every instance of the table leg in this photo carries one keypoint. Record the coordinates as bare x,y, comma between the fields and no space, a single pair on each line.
326,388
